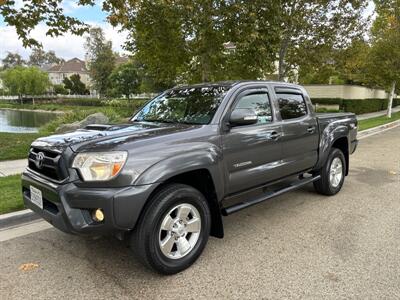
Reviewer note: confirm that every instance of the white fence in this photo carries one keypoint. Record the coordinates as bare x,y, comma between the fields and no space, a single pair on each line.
343,91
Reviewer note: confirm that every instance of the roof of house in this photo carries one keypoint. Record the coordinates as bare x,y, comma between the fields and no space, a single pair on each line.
74,65
121,60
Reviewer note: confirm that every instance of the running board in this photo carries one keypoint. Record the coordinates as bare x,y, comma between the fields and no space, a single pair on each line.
242,205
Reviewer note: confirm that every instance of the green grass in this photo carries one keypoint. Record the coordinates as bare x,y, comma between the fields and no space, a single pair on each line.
11,196
373,122
15,145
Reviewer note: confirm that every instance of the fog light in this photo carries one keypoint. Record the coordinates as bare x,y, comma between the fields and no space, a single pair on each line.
98,215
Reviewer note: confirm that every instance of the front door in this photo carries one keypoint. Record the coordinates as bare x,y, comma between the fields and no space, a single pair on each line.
252,153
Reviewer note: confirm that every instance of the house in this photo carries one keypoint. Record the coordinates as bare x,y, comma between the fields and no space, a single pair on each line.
57,73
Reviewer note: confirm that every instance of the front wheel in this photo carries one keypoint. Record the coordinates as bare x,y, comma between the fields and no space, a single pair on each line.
173,230
332,174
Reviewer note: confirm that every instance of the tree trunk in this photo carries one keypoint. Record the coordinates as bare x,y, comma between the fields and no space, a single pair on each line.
390,102
282,55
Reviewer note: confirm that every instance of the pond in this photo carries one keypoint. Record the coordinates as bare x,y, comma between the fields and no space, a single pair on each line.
23,121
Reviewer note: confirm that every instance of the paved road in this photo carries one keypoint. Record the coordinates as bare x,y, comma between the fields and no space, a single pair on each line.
300,245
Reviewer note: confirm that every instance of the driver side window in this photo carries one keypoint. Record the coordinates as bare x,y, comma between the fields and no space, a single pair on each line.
259,102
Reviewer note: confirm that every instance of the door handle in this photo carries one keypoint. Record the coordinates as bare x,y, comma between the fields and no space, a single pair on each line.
311,129
274,135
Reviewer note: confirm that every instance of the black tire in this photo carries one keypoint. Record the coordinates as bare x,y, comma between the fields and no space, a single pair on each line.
145,240
324,185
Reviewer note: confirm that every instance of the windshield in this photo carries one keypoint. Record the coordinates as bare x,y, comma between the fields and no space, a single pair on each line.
187,105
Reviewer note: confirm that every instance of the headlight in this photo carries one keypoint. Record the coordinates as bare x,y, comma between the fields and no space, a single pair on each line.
99,166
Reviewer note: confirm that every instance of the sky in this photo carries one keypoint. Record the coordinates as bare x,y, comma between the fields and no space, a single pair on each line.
67,46
70,46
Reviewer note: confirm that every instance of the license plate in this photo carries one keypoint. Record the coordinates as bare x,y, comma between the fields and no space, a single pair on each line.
36,196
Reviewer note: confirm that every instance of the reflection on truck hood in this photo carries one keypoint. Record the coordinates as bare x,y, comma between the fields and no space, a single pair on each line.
95,135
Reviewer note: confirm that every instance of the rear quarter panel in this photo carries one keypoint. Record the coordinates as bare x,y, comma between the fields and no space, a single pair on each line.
332,127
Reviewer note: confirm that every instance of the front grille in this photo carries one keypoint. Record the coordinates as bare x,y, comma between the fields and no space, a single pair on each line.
52,165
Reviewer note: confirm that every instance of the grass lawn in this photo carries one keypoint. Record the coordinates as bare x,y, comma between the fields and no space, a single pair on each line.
11,196
373,122
15,145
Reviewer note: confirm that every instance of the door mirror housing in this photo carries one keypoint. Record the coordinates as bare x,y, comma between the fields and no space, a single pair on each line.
243,116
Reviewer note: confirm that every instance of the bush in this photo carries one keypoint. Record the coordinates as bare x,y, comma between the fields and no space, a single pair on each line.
327,101
59,89
357,106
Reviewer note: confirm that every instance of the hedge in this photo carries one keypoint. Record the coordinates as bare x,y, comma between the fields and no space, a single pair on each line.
357,106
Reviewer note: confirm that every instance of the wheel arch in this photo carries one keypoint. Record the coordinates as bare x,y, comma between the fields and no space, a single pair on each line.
202,180
342,144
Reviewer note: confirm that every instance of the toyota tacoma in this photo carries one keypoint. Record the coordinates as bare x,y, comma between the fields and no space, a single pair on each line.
191,155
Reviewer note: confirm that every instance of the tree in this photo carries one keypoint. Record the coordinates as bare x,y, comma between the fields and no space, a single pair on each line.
27,15
12,60
383,62
25,81
101,59
306,26
182,40
125,79
40,58
75,85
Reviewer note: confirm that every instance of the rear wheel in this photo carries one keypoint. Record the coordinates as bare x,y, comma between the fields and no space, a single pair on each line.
332,174
174,229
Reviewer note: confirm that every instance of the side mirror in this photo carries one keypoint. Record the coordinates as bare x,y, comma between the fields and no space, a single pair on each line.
243,116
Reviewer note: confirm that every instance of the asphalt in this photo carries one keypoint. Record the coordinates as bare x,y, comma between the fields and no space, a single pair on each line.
298,246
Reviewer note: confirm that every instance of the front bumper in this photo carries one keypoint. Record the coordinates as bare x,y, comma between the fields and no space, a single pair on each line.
68,207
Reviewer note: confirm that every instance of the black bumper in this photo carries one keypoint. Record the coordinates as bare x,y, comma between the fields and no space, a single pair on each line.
68,207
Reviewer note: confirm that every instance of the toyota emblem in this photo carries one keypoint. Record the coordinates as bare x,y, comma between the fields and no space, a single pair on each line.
39,160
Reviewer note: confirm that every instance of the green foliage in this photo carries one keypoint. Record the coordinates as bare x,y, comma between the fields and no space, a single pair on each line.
125,79
25,81
75,85
12,60
357,106
101,59
373,122
327,101
59,89
40,58
11,196
26,15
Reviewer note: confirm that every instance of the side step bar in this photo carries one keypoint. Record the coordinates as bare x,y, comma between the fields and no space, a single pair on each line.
242,205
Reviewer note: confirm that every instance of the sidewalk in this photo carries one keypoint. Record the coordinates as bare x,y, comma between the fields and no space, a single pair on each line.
11,167
376,114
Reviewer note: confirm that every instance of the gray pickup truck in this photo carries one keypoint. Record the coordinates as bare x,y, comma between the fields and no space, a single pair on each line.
190,156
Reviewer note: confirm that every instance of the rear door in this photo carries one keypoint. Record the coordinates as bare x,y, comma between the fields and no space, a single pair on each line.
300,131
252,153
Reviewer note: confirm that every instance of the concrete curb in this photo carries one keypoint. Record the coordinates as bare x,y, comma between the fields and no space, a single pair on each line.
16,218
379,129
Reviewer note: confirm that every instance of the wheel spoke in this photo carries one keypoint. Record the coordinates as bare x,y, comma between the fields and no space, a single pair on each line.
183,245
167,244
183,212
193,225
167,223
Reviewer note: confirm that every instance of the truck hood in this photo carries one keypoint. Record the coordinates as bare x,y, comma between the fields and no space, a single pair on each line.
94,136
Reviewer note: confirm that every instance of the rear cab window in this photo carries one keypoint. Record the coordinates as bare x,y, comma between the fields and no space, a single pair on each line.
291,106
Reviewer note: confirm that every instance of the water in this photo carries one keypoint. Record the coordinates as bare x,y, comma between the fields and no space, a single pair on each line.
23,121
